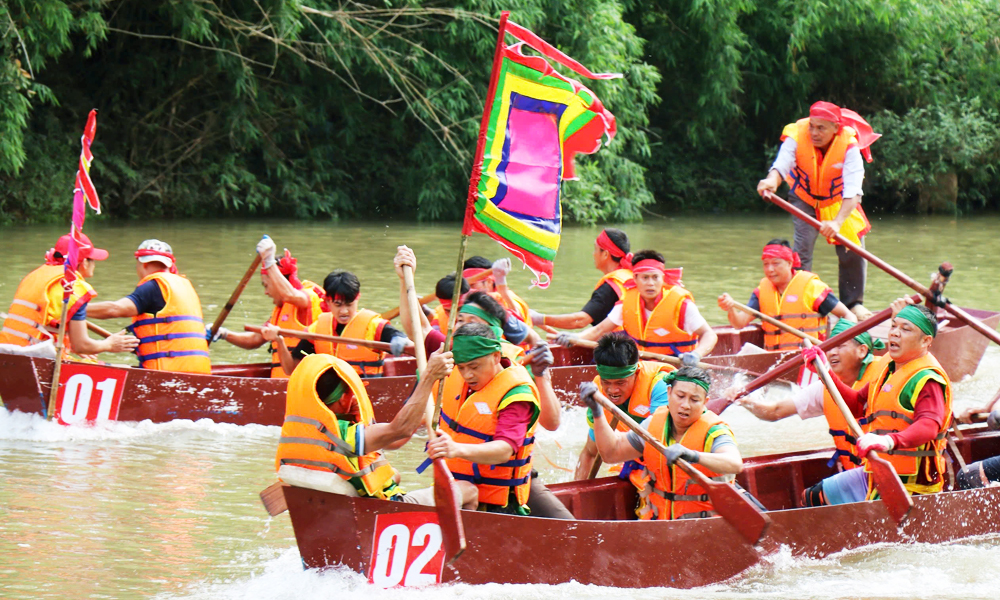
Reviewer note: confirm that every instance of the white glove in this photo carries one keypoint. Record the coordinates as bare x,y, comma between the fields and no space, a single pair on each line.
397,345
993,421
500,270
874,441
690,359
537,318
266,249
566,340
219,335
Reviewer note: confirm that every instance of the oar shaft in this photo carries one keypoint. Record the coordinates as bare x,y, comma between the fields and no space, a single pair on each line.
670,360
392,313
334,339
782,326
98,330
219,320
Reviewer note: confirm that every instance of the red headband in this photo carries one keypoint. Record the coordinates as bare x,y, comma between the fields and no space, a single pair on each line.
825,110
671,277
173,261
288,267
605,243
845,116
472,272
782,252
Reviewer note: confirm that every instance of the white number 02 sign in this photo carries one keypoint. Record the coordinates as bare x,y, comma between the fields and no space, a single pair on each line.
88,393
406,550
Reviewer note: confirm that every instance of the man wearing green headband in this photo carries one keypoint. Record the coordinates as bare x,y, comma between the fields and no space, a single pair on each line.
851,361
636,386
689,431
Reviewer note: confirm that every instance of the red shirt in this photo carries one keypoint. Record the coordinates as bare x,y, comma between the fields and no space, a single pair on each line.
928,412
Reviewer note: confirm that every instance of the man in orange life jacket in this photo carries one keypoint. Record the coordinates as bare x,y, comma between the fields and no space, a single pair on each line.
984,472
296,303
657,312
343,292
851,361
907,407
613,259
496,284
637,387
36,311
166,313
689,431
792,295
820,159
445,290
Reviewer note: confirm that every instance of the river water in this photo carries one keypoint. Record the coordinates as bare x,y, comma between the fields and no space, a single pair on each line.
135,510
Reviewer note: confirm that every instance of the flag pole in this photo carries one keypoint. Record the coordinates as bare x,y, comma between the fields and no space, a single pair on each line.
54,389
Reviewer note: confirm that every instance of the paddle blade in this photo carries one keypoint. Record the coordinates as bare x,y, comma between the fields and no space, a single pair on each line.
448,503
895,497
739,511
273,497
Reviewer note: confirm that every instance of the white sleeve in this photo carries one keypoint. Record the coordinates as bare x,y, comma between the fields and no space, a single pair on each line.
854,173
616,315
786,157
693,321
809,401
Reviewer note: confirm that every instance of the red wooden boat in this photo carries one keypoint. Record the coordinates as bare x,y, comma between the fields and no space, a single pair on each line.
607,548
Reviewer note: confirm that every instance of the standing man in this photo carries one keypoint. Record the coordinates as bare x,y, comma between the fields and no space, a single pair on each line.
820,159
166,313
613,259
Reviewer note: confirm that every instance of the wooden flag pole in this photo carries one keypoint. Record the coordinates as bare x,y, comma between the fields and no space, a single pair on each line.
50,410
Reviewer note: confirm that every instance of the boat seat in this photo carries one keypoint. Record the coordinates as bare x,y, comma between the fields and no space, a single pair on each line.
316,480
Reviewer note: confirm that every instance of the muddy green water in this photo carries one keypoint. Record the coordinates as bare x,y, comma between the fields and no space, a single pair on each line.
138,510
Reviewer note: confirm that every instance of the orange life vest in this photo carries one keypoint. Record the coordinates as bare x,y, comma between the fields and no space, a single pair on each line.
286,316
366,325
471,418
886,414
519,307
662,333
440,319
174,338
843,441
669,492
36,297
311,436
819,182
791,308
616,280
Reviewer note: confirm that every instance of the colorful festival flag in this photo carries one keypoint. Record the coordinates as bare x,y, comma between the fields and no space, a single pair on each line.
83,190
534,123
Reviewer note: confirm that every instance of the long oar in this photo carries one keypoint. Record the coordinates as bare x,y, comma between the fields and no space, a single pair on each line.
333,339
235,296
895,497
782,326
906,280
732,506
447,496
392,313
273,498
663,358
90,325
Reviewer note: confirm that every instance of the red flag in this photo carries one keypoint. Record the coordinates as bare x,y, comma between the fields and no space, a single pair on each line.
84,189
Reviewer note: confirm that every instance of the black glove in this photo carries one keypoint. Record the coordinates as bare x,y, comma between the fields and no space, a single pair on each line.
993,421
587,391
675,451
541,359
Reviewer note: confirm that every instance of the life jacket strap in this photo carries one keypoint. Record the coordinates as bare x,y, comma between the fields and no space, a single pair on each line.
480,480
28,322
328,466
19,334
698,515
170,336
158,320
26,304
144,358
838,453
335,443
890,413
843,434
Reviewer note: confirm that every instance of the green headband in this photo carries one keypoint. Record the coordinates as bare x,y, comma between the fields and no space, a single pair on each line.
912,314
607,372
863,338
672,377
467,348
477,311
335,395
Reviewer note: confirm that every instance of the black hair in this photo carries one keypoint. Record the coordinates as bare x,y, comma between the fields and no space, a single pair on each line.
779,242
645,254
619,239
342,284
327,382
695,373
445,288
477,262
927,313
616,349
487,303
476,329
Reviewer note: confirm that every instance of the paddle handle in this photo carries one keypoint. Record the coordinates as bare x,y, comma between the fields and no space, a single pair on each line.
104,333
219,320
782,326
824,372
334,339
663,358
598,461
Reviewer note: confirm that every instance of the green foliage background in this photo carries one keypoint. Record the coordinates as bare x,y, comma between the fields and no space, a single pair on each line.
328,109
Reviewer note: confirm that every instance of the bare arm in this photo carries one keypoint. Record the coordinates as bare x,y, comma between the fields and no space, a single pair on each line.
551,411
84,344
707,339
769,411
725,461
577,320
737,318
112,310
598,331
843,312
285,290
612,445
248,340
397,432
405,256
488,453
831,228
586,461
269,333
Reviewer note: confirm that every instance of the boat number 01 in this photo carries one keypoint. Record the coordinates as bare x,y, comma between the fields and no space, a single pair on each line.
406,550
88,393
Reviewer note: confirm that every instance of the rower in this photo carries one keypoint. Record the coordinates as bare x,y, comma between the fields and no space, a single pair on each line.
637,387
496,284
690,431
820,159
853,362
445,291
36,311
790,294
613,259
343,292
657,312
329,428
907,406
296,303
166,313
984,472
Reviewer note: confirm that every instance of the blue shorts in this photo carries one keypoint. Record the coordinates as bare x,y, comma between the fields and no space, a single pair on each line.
846,487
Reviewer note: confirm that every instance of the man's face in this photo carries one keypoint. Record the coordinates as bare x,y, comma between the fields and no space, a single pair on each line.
649,284
483,285
846,358
598,255
466,318
906,341
269,290
778,271
87,268
344,311
619,390
479,372
687,403
821,131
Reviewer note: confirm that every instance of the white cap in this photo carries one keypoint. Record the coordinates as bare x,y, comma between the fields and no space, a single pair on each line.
155,251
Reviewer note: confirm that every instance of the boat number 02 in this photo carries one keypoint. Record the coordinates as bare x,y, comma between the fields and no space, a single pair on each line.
88,393
406,550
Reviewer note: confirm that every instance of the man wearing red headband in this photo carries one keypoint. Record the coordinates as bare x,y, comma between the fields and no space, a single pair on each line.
166,313
792,295
613,259
296,303
496,284
36,312
657,312
821,160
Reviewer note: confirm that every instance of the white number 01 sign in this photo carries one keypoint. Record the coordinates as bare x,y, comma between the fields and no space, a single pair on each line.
407,550
88,393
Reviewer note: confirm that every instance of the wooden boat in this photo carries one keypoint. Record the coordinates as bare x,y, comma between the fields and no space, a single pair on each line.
243,394
606,548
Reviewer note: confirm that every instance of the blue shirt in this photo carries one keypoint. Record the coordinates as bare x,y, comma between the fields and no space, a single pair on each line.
148,298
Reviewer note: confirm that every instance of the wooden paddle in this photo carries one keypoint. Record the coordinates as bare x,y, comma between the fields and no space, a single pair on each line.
235,296
895,497
663,358
90,325
782,326
273,497
447,496
732,506
392,313
906,280
334,339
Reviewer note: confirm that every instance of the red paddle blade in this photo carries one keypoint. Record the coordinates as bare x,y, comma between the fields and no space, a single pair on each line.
739,511
894,496
448,503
